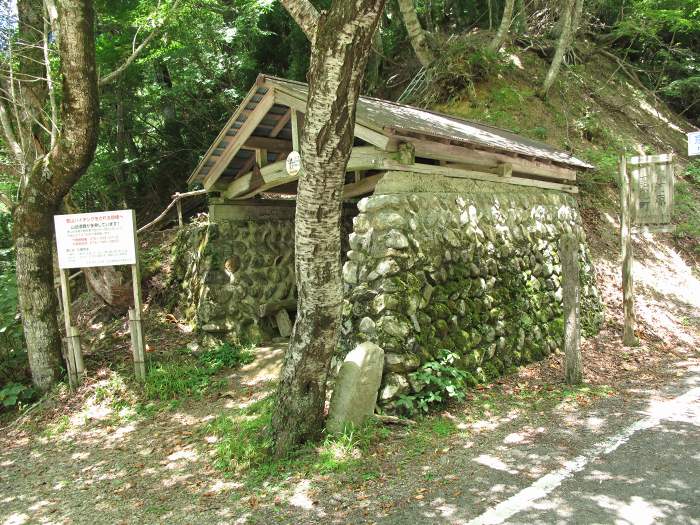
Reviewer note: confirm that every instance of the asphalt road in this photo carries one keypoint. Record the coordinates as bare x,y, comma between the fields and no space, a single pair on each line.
635,463
652,476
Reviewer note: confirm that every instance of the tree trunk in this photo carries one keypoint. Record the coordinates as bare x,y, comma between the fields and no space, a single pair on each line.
342,42
503,29
570,18
568,254
49,182
416,34
33,233
520,21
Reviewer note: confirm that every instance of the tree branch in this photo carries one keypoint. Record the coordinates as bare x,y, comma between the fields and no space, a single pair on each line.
305,15
107,79
4,199
9,132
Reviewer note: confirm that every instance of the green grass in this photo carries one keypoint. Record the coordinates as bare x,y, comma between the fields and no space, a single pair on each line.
188,376
244,443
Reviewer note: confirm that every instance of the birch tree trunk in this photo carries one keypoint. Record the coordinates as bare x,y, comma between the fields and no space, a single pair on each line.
569,25
49,181
342,39
416,34
503,29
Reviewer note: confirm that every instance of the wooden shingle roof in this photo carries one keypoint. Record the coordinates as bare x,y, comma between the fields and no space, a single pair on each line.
265,127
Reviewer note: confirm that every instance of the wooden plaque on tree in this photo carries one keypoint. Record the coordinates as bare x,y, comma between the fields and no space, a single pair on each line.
651,187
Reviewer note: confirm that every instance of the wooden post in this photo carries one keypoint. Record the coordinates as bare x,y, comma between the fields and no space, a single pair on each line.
76,368
180,221
295,130
568,256
135,324
628,337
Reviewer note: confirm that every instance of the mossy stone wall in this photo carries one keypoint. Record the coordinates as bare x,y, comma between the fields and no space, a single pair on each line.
227,269
438,263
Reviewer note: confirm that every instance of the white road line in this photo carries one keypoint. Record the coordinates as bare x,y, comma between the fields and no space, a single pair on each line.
546,484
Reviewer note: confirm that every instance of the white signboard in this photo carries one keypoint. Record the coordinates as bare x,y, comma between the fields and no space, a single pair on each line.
95,239
694,143
293,163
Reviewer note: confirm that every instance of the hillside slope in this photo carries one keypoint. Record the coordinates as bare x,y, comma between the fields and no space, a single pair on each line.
596,109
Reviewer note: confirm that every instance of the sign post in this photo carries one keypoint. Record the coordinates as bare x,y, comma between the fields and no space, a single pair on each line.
646,204
86,240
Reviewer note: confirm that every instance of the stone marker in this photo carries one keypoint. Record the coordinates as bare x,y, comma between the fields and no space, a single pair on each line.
284,323
356,387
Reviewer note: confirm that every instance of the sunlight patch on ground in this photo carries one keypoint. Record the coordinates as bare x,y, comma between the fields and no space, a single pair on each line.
493,462
658,115
16,518
637,511
301,497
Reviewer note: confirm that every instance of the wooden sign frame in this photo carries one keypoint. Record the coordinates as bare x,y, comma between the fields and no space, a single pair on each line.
656,174
74,356
651,186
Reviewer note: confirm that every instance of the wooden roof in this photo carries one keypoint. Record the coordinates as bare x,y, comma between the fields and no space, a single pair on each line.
264,129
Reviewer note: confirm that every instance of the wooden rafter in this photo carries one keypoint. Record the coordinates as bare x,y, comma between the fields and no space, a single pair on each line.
281,123
238,140
380,140
255,142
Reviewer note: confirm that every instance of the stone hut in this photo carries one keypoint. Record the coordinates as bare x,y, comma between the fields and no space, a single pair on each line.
452,232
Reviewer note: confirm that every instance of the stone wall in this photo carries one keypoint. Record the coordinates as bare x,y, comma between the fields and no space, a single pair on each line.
227,267
238,260
443,263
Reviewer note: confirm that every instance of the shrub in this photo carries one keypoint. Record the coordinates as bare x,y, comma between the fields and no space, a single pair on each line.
442,378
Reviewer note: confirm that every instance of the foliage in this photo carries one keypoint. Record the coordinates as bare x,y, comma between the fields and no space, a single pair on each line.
159,115
189,377
463,62
14,394
662,38
443,379
13,357
686,209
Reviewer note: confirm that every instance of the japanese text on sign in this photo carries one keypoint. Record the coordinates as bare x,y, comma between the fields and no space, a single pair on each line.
95,239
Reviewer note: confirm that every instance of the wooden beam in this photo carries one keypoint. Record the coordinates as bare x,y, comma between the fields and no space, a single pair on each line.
281,123
361,187
247,166
361,158
267,143
235,142
371,158
650,159
475,175
476,158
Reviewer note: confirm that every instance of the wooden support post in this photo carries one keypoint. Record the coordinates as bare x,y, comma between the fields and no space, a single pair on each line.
76,368
180,221
136,330
135,324
568,255
628,337
261,157
295,130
